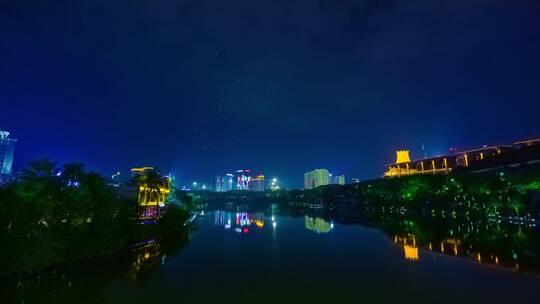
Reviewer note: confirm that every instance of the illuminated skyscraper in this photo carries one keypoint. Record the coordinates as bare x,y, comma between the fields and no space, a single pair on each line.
7,147
339,180
257,183
224,183
219,184
243,180
229,182
315,178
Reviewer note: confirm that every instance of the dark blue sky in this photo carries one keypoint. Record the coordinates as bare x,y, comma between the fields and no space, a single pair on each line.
203,87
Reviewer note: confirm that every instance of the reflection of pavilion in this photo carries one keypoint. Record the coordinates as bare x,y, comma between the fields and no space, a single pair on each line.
411,253
410,250
146,256
452,242
317,224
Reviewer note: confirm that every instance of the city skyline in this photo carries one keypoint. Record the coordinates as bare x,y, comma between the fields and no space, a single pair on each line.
242,179
318,151
197,90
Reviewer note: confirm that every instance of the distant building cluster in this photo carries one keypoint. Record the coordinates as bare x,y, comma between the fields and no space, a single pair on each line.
244,180
7,149
480,159
321,177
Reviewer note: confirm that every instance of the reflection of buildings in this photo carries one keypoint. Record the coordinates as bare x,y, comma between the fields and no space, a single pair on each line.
317,224
476,159
239,222
146,256
222,218
315,178
7,147
501,256
306,205
453,245
410,250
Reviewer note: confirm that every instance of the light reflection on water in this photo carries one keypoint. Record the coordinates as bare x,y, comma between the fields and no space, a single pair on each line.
481,241
307,256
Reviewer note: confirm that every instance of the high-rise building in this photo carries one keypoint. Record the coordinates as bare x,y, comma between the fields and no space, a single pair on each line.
339,180
7,148
228,183
219,184
224,183
243,180
257,183
315,178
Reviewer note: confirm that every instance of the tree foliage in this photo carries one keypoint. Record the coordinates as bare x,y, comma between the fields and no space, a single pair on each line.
59,214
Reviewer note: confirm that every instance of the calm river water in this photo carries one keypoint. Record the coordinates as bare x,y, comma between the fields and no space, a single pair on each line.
276,257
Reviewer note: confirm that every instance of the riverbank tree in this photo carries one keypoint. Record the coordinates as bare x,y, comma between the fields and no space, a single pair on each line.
59,214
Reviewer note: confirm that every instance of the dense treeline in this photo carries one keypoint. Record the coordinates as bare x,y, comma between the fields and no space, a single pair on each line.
504,192
54,215
507,191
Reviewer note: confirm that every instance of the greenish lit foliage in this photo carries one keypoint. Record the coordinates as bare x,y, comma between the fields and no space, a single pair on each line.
48,218
498,192
413,187
532,186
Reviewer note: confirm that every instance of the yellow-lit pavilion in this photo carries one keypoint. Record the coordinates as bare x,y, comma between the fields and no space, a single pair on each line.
151,194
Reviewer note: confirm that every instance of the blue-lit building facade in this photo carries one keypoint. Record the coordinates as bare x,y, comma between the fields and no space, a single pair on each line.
225,182
7,149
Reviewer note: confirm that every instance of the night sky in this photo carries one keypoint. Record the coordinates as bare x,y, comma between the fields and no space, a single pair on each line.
199,88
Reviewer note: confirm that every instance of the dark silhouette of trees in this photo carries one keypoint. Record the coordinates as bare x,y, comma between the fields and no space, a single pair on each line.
59,214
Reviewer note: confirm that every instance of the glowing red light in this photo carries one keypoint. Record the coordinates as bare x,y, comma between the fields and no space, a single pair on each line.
246,230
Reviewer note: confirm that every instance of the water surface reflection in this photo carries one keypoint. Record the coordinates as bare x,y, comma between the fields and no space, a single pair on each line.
287,249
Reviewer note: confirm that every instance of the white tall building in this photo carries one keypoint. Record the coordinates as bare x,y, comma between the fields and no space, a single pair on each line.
7,147
315,178
225,183
339,180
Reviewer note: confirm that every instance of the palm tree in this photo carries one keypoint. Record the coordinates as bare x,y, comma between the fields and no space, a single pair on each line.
152,182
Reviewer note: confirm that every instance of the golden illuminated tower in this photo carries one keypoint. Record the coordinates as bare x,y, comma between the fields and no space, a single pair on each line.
402,156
